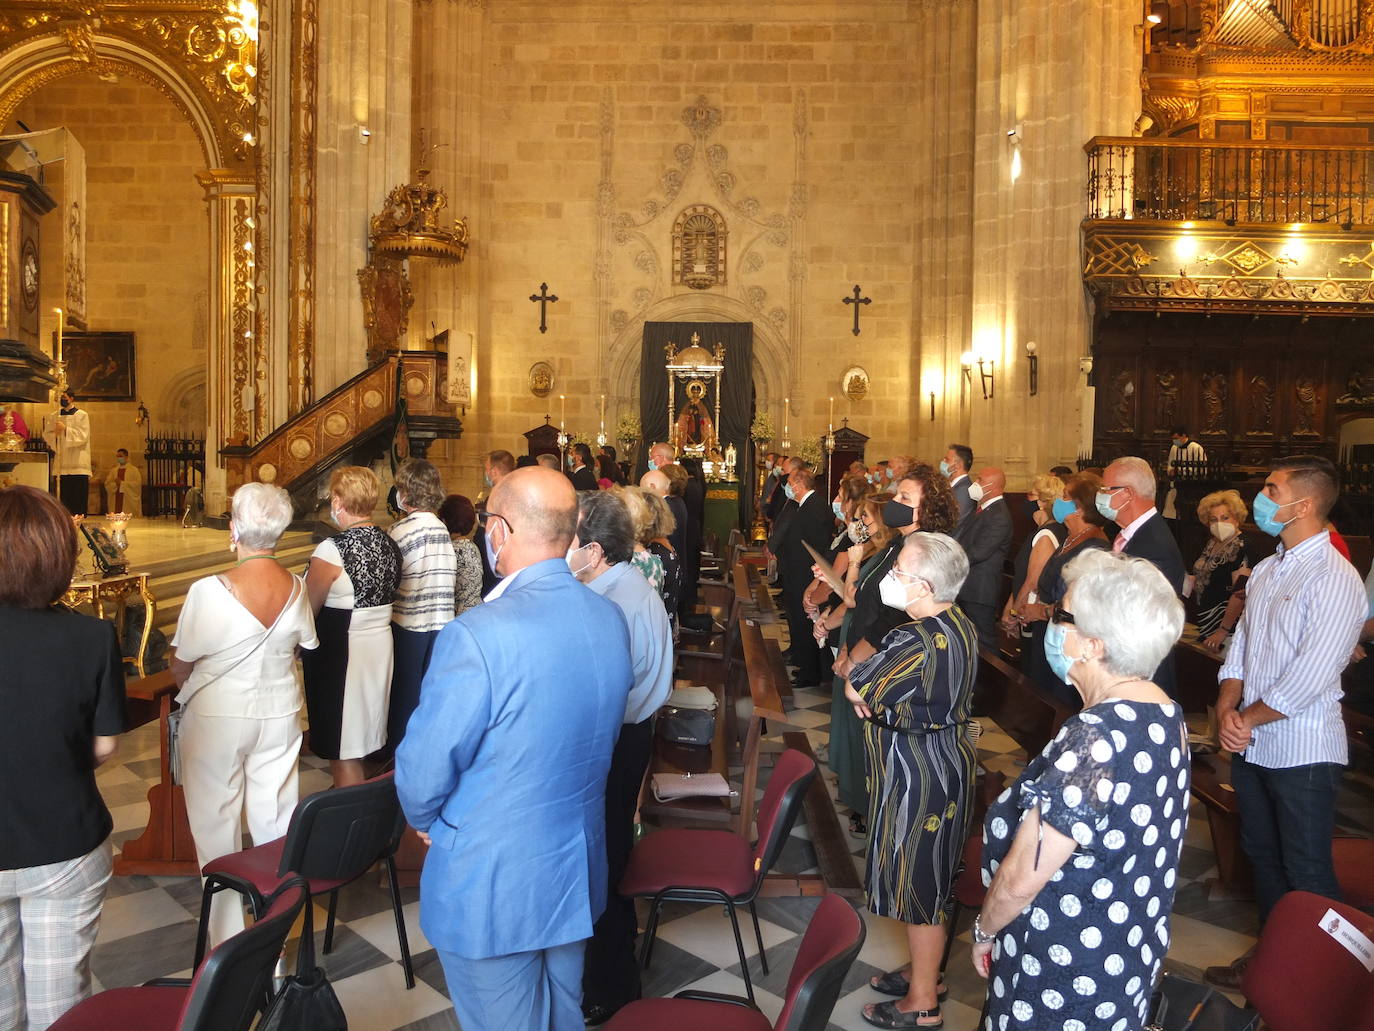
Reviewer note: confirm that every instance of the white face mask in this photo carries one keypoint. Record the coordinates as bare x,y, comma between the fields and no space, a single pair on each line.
1223,531
577,570
975,492
894,591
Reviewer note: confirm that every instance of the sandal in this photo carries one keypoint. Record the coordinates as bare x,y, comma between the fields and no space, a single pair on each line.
858,827
886,1014
894,982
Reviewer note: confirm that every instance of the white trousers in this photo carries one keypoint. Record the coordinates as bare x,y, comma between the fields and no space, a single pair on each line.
231,768
49,916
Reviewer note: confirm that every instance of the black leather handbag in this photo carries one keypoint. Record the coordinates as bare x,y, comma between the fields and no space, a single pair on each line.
686,726
1184,1005
306,1001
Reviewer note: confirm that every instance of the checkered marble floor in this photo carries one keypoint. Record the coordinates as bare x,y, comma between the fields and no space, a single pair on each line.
148,926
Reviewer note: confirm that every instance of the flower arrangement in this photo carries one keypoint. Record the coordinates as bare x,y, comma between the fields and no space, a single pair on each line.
761,430
627,428
808,449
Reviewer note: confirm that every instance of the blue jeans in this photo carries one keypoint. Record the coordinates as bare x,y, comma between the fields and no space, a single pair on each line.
529,991
1287,819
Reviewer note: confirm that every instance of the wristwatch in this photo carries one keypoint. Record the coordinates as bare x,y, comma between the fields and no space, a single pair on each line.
981,937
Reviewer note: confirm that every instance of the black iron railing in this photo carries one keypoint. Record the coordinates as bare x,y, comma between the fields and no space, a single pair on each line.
1235,183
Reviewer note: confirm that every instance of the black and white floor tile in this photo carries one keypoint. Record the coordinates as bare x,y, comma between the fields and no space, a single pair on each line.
148,927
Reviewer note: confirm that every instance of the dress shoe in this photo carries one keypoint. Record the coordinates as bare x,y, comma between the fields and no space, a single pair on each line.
1228,977
596,1015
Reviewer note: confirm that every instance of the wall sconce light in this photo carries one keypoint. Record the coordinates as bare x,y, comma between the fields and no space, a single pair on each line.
966,364
364,134
1157,13
142,415
1034,362
985,373
932,406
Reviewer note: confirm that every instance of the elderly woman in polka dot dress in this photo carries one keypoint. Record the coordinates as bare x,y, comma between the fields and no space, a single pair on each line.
1081,853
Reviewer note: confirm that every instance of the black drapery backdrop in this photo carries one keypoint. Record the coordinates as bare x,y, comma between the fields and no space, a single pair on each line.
736,395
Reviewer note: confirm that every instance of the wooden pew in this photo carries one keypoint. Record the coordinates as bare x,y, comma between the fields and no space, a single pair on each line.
165,847
1196,669
829,840
1212,787
1024,712
764,703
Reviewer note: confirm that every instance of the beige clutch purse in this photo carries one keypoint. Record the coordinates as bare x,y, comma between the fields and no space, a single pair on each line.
670,786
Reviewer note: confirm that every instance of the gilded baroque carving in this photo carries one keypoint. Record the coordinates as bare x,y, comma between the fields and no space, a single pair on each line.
242,345
301,256
699,247
207,42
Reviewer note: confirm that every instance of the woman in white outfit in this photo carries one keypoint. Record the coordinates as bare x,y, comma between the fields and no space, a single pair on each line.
240,694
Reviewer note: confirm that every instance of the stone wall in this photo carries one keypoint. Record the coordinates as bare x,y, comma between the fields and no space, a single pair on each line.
868,150
148,251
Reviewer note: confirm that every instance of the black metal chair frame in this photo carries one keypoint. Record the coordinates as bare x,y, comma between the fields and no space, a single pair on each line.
789,807
294,852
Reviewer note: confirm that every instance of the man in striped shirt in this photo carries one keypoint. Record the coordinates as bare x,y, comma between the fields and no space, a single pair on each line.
1279,708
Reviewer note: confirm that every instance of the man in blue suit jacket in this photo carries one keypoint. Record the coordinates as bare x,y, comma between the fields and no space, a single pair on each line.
503,769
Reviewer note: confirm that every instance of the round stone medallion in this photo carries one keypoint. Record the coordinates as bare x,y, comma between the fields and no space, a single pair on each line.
372,398
336,424
300,448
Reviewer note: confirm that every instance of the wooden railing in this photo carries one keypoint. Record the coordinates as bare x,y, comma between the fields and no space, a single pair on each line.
363,408
1248,183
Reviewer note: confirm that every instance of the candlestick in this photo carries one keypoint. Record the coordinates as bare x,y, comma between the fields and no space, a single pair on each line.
562,411
786,403
60,319
831,422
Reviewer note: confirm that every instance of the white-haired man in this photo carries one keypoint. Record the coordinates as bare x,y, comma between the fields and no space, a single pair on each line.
1127,498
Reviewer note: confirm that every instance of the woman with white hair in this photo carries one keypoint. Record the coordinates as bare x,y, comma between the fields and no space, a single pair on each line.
240,696
1081,853
913,697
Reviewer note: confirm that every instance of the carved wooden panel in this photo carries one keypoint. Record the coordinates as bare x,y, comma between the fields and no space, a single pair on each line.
1248,388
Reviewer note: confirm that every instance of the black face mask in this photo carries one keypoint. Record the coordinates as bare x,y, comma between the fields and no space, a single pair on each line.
897,515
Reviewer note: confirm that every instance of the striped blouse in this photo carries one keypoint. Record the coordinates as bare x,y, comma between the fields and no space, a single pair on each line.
1304,608
429,569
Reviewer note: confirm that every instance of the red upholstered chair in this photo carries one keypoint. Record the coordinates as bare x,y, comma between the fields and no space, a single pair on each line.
968,890
334,838
1301,978
833,940
1354,859
226,993
678,865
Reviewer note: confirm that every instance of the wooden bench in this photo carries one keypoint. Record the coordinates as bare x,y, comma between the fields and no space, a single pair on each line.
1018,706
829,840
1212,787
1196,668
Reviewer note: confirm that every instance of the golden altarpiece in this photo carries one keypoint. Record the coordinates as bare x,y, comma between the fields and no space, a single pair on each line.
694,378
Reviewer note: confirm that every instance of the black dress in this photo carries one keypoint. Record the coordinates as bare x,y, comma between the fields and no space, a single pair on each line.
1050,591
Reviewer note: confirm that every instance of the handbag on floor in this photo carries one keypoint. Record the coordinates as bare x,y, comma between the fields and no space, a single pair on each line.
306,1001
1181,1004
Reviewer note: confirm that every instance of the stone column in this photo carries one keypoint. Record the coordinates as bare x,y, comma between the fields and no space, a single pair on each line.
236,371
447,109
1049,77
363,149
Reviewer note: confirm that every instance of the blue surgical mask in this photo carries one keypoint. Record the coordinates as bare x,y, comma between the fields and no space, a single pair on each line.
486,481
944,468
1054,650
1104,505
839,512
1063,508
791,494
653,466
1265,509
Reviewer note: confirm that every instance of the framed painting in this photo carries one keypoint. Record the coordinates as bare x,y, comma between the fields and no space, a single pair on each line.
100,366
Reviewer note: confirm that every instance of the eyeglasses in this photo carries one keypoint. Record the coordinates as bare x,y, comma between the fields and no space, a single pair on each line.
1064,617
485,516
1110,489
910,577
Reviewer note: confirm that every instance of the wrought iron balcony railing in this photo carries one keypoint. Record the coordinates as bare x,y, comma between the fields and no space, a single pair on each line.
1250,183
